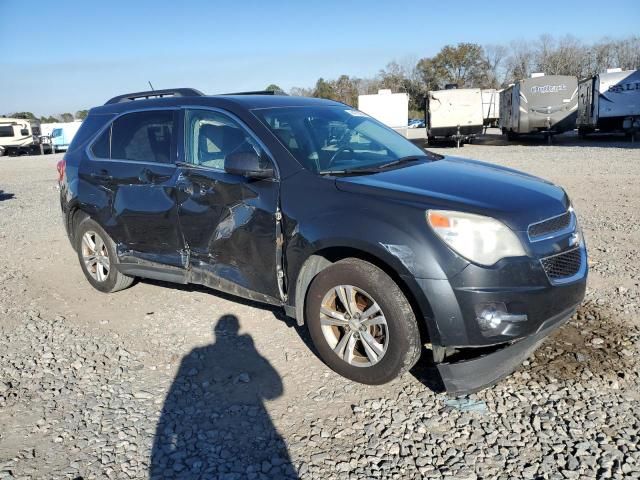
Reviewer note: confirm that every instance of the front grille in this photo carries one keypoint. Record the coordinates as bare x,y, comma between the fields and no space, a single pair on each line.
563,265
549,226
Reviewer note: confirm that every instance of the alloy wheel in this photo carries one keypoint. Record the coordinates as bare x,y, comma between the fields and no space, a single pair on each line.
95,256
354,325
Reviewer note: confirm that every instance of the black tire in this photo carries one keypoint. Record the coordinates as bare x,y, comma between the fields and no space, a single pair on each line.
114,280
404,344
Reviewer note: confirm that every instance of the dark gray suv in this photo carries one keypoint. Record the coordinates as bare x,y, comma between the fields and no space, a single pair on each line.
378,246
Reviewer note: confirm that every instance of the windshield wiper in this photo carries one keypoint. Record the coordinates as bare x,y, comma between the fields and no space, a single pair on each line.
375,168
399,161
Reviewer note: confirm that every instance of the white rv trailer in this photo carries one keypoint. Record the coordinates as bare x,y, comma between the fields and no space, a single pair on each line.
610,102
392,109
491,106
454,114
19,136
540,104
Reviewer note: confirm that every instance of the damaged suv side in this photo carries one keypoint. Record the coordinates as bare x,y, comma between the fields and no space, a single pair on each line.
376,245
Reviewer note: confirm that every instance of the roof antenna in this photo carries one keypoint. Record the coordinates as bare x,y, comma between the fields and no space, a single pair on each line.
153,89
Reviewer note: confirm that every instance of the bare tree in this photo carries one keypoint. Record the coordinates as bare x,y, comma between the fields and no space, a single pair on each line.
393,77
627,53
519,63
301,92
495,56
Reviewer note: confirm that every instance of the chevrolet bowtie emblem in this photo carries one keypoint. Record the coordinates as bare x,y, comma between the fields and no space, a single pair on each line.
574,240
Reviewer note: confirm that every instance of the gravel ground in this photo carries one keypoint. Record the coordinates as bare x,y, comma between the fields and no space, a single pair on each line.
178,382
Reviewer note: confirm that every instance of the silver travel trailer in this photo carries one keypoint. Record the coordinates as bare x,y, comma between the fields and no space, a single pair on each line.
491,106
454,114
539,105
19,136
610,102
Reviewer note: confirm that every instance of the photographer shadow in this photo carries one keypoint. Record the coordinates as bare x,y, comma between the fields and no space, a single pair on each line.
214,423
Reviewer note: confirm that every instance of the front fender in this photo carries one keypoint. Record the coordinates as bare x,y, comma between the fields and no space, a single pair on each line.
398,237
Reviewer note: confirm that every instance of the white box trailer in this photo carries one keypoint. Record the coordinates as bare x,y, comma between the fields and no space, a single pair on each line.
610,102
392,109
62,135
491,106
454,114
540,104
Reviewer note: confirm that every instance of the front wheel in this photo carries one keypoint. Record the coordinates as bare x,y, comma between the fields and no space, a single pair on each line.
361,324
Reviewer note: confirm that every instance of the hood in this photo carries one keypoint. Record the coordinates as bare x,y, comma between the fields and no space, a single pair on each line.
516,198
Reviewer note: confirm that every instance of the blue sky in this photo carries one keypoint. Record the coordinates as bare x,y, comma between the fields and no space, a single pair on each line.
72,54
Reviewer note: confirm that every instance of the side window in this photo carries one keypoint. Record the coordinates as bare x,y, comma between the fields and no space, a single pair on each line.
211,136
139,136
101,148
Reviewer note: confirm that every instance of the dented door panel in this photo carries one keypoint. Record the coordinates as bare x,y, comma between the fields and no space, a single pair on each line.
136,205
228,224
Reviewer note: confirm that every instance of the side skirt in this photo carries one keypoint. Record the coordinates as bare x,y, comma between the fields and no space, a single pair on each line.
168,273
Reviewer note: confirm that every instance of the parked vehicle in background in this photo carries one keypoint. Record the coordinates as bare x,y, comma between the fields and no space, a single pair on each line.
378,246
490,106
392,109
610,102
542,104
416,123
19,136
454,114
62,135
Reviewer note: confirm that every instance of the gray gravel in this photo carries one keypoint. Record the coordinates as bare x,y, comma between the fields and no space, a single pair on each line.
177,382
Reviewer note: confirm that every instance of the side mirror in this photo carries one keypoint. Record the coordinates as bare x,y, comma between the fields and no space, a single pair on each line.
24,132
248,164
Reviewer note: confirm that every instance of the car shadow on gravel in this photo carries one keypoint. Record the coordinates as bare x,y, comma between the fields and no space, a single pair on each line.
6,196
214,423
425,372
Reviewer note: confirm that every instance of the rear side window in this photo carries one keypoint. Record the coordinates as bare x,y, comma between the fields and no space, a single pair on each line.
138,137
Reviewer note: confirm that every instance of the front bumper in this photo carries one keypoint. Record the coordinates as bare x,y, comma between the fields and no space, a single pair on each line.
470,356
471,375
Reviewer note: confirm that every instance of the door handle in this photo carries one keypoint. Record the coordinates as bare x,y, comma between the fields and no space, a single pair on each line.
186,188
145,176
102,175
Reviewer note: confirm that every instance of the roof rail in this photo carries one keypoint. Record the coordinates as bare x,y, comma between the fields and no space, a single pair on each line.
168,92
256,92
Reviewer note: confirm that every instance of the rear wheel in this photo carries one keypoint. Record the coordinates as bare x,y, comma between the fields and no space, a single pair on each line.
361,323
96,252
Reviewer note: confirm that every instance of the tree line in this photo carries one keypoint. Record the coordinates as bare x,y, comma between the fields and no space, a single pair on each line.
63,117
466,65
470,65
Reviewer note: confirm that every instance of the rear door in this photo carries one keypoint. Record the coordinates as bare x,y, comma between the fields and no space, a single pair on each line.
130,182
228,221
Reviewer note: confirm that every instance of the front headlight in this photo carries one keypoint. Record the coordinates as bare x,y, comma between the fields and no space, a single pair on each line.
481,239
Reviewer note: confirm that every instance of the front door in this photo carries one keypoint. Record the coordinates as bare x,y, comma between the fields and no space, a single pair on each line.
228,222
130,179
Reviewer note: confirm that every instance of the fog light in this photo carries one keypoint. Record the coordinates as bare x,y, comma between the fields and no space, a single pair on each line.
494,319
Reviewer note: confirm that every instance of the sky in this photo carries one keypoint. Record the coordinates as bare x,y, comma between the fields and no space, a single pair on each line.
74,54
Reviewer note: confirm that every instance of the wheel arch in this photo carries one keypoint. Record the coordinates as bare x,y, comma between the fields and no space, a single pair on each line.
324,257
74,216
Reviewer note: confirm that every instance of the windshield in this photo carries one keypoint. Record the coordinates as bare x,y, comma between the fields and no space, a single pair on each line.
332,138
